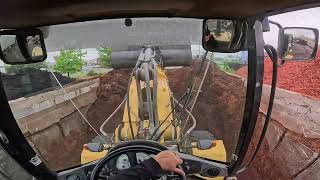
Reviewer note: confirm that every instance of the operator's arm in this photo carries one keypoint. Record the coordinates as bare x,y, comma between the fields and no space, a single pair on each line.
164,161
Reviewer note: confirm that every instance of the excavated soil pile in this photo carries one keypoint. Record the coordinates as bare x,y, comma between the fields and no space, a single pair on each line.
110,93
219,108
34,81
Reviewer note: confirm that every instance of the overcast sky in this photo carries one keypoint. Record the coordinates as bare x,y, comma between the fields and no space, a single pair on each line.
305,18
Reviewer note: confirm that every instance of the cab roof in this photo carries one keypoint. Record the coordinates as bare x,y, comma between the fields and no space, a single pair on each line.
31,13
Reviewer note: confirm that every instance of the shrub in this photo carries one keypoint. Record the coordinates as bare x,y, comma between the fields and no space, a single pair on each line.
105,56
92,73
231,66
69,61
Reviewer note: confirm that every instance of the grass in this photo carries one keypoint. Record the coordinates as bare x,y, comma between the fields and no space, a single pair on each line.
92,72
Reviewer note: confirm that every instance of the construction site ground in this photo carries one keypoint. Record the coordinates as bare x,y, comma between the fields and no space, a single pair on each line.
219,109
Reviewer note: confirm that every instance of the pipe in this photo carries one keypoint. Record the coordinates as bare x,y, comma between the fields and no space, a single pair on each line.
110,116
155,93
140,100
199,89
148,92
194,121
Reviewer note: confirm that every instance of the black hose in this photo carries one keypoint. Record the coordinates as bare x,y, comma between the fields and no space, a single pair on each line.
128,103
192,83
188,93
271,51
148,91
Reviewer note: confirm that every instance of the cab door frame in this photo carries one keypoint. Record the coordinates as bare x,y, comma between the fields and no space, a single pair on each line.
255,46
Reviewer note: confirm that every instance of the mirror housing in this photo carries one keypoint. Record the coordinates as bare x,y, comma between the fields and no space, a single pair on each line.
225,36
298,43
23,46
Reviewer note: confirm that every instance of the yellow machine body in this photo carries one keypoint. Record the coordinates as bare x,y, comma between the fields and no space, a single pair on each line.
172,134
164,108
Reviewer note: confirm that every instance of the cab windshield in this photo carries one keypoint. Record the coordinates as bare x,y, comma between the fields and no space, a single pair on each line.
88,92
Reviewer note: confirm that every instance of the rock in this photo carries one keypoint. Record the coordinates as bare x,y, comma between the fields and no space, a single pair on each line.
312,172
292,156
273,134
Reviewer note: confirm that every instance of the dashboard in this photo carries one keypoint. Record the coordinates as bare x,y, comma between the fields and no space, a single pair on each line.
121,162
191,165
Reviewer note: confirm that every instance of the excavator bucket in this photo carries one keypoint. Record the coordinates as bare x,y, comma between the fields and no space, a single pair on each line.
171,55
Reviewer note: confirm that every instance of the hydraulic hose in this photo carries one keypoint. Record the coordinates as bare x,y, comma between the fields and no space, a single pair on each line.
155,93
194,122
148,91
198,92
127,98
158,127
271,51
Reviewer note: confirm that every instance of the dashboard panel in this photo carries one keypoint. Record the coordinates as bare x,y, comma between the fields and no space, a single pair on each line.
121,162
191,165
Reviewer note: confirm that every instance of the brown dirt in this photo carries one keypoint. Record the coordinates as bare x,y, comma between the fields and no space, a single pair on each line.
110,93
263,164
220,107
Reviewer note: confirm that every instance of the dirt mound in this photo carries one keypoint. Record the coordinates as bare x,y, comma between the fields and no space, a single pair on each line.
110,93
220,107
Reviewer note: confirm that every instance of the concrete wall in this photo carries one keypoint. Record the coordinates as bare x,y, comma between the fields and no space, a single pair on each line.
291,148
53,126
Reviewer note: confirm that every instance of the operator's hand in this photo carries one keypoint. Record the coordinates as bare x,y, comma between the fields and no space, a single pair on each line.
168,161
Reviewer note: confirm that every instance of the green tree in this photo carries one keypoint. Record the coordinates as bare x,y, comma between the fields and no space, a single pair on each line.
13,69
69,61
105,56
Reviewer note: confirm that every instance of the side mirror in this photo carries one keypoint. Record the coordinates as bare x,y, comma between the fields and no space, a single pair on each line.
222,35
298,43
22,46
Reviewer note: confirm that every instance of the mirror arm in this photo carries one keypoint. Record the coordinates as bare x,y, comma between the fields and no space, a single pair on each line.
280,27
277,24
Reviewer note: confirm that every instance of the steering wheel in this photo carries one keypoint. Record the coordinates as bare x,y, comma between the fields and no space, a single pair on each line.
103,171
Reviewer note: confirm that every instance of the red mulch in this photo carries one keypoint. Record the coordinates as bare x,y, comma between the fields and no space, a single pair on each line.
302,77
